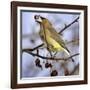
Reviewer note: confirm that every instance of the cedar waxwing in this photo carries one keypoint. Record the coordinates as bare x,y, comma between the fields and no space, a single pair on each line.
49,35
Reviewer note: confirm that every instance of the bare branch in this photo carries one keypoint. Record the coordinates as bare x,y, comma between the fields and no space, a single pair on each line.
69,25
72,41
51,58
72,56
28,49
37,51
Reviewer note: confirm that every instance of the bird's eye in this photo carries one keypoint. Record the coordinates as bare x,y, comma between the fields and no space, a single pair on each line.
36,16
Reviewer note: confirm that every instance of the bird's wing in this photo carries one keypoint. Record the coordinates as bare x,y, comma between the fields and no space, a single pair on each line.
57,37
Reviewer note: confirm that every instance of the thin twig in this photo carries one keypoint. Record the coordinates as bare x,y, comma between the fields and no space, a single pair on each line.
72,41
28,49
37,51
51,58
68,25
73,55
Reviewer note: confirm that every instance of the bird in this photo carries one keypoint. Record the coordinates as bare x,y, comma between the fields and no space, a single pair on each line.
50,37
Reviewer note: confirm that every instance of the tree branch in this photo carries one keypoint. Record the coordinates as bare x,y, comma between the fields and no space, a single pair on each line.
72,41
69,25
28,49
51,58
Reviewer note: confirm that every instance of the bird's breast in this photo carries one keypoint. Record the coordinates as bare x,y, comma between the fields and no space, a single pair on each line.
41,33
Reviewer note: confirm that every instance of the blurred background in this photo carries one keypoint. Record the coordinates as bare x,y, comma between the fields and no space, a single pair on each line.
31,39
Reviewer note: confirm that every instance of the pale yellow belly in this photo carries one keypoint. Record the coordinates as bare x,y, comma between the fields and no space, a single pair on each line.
54,45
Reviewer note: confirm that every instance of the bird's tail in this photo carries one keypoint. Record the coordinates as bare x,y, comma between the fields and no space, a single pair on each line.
68,52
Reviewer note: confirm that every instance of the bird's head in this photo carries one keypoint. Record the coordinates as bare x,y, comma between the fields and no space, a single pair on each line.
42,20
39,18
